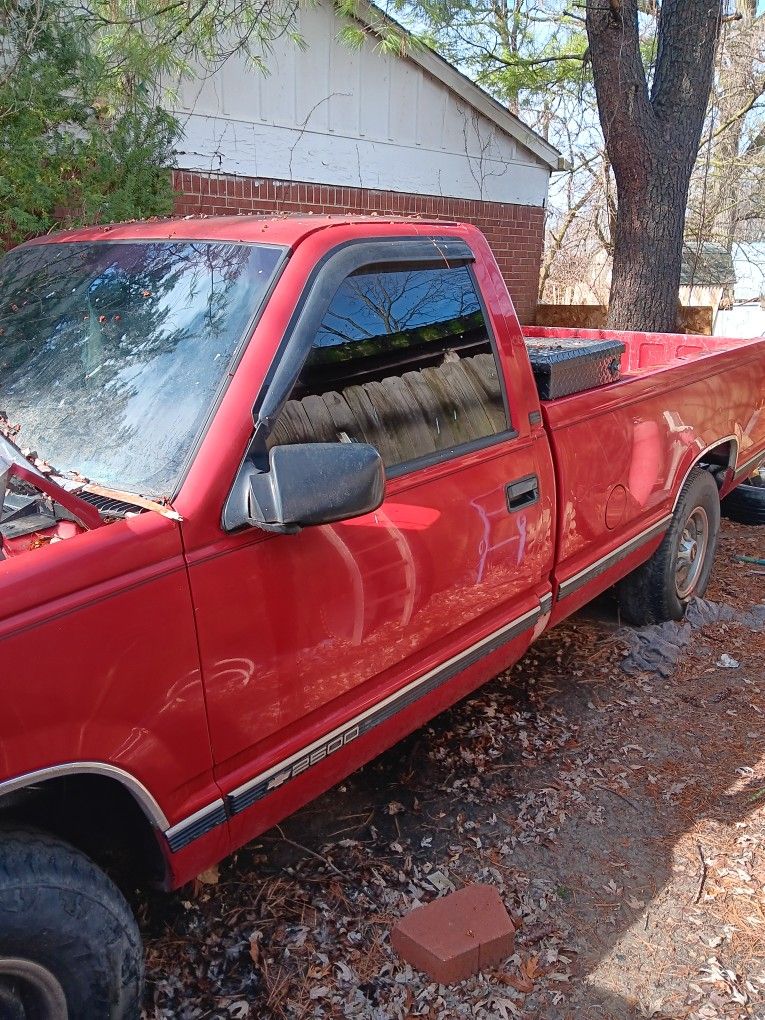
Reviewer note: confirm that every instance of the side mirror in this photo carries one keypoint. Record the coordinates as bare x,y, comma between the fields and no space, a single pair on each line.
314,483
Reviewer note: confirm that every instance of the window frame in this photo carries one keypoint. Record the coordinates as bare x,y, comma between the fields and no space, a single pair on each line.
328,274
321,287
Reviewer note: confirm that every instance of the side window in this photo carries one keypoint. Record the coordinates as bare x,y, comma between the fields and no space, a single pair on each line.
402,360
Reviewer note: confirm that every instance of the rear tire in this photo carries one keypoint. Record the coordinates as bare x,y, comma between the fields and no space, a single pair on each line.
66,934
679,570
746,503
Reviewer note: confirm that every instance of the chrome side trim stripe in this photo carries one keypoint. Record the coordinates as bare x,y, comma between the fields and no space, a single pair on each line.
244,796
749,465
196,825
578,580
266,782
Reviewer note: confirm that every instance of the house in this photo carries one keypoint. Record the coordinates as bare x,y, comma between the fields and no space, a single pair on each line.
749,264
744,320
707,275
746,317
332,128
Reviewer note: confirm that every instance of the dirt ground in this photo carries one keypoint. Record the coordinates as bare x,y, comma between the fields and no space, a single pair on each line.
621,817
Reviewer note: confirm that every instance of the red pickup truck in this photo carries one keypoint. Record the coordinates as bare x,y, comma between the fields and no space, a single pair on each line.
275,492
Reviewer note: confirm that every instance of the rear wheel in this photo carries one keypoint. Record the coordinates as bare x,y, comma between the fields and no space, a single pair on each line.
69,944
679,570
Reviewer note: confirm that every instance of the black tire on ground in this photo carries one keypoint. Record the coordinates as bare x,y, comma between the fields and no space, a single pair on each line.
746,504
661,588
65,923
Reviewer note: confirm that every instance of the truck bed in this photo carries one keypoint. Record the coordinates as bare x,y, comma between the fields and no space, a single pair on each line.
680,395
647,352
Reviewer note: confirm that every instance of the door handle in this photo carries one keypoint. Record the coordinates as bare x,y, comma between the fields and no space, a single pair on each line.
521,493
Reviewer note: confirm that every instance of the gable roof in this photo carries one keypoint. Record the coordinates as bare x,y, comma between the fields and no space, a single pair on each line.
435,65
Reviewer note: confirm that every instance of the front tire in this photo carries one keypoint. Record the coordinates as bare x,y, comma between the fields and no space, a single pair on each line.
66,935
679,570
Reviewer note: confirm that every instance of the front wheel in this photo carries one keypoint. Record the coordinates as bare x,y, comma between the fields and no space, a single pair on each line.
679,570
69,944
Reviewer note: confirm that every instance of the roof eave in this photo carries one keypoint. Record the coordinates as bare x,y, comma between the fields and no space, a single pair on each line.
454,80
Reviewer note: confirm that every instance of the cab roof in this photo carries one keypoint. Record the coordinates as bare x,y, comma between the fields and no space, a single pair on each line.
286,230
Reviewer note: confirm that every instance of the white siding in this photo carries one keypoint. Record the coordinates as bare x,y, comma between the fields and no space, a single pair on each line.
331,114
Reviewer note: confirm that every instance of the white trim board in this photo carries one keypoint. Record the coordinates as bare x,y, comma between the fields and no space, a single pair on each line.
273,152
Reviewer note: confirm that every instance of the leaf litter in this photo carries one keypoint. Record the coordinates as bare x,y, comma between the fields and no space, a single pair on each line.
620,816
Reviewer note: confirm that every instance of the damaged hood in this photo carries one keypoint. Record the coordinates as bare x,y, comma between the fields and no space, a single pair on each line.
60,490
36,508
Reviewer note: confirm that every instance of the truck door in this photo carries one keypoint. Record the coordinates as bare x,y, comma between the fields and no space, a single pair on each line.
301,633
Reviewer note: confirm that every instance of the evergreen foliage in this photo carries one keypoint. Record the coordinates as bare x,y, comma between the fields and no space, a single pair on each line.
83,136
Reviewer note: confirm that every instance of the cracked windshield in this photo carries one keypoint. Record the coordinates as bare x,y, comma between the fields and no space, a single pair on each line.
111,354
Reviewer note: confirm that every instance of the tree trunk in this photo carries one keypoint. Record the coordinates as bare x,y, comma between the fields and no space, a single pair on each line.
652,138
648,251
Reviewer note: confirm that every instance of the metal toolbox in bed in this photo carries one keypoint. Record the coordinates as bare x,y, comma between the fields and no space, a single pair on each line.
565,365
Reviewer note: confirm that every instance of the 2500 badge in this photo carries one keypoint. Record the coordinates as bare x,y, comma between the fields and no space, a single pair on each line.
272,780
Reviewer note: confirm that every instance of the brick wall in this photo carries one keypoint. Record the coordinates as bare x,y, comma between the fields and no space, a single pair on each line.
515,232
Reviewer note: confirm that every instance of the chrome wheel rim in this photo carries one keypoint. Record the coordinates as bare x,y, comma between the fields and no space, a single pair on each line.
691,552
29,991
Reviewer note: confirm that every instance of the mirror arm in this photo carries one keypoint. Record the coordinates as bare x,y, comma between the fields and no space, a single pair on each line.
252,494
262,503
236,509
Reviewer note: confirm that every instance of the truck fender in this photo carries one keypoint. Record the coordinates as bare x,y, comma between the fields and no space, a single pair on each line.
146,801
698,457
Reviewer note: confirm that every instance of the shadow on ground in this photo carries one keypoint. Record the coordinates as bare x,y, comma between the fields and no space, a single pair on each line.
618,815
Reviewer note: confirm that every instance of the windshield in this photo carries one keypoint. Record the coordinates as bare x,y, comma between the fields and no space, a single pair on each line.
111,354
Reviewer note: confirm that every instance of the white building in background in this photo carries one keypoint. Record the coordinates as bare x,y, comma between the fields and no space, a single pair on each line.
336,128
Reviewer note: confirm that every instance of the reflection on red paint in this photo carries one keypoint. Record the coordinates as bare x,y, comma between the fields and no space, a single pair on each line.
647,461
406,516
